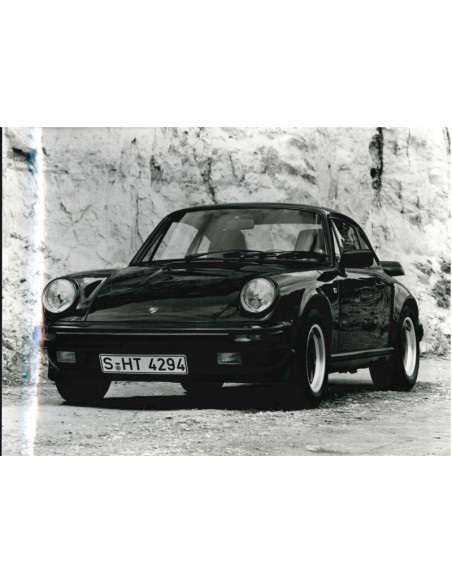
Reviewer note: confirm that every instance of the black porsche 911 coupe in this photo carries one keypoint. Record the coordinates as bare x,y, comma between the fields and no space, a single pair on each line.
243,293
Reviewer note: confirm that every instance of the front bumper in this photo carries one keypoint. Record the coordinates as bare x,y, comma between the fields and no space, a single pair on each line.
265,350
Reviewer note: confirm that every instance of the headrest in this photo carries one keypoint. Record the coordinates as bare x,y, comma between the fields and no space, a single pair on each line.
228,239
306,241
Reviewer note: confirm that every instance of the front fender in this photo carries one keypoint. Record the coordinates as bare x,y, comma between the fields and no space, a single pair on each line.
313,289
324,300
313,294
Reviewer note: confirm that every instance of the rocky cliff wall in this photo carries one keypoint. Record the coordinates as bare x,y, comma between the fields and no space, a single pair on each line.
99,193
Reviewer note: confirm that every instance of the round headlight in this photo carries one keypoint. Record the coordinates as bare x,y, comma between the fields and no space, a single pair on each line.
59,295
257,295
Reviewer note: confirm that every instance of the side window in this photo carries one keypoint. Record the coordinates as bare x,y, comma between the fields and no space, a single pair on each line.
365,245
336,244
362,239
346,235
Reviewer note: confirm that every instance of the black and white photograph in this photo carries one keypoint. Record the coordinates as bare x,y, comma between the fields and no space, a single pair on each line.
226,291
226,320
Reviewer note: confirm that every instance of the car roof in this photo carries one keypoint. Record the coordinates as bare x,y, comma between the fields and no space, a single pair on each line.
324,210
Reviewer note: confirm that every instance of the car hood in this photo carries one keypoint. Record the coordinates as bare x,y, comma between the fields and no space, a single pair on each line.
176,292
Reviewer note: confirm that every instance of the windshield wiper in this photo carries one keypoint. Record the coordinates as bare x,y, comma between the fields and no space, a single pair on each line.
248,254
228,253
314,255
258,254
244,253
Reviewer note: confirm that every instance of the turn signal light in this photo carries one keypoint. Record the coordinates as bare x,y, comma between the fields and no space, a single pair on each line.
66,357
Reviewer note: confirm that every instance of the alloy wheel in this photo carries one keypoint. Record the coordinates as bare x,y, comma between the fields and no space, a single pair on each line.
315,358
409,346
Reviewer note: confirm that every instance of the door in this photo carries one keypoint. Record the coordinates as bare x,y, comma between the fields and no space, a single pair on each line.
365,296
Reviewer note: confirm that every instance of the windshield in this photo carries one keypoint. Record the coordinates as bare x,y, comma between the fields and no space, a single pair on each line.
247,231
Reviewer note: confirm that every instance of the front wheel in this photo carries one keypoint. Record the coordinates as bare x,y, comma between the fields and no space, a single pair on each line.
82,389
401,372
310,370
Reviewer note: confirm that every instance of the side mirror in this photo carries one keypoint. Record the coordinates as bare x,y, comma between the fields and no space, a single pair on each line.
357,258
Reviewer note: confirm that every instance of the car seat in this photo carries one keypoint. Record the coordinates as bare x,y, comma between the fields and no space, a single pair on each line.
307,240
228,239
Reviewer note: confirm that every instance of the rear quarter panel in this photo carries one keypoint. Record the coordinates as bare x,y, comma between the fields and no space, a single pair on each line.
402,296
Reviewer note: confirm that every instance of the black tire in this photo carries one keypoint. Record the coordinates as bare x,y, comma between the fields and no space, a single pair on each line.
400,373
82,390
202,387
309,379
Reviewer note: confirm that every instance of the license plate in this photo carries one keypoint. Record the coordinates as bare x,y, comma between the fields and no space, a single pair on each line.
153,364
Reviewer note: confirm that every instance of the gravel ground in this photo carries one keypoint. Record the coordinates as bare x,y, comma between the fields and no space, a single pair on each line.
158,419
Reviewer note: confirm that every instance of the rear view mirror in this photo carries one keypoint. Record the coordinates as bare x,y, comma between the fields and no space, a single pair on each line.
239,223
357,258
